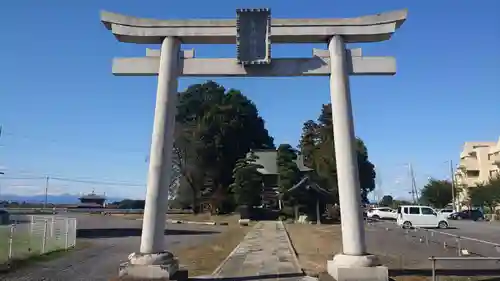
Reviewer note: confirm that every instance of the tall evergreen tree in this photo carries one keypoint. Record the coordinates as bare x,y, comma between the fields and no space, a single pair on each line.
217,127
288,172
247,185
308,143
317,145
437,193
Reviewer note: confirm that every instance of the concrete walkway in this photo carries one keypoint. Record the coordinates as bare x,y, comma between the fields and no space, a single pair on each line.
264,254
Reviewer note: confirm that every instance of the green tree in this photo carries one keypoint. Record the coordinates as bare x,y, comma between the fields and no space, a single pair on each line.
366,170
218,128
486,194
247,185
288,172
317,146
288,176
309,142
387,201
187,143
397,203
131,204
437,193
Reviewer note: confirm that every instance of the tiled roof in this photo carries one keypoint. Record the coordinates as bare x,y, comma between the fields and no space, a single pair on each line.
267,158
92,196
309,184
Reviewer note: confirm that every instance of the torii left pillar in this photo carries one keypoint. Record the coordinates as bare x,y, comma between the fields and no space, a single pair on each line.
153,261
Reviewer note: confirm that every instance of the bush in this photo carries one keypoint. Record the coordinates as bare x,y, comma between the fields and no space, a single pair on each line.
264,214
258,213
244,212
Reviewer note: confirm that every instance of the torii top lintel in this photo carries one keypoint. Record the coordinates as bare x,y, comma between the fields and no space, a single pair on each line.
372,28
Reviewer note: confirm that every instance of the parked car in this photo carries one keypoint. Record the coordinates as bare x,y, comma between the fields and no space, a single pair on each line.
382,213
420,216
446,212
474,215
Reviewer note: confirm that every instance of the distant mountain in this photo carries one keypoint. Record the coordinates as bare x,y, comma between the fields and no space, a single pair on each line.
55,199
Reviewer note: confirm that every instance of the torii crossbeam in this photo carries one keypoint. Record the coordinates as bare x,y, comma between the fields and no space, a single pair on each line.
318,65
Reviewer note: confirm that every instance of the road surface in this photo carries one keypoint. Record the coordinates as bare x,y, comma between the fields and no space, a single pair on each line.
409,246
483,230
112,239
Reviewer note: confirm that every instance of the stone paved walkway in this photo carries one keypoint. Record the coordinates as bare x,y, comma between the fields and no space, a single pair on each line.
264,254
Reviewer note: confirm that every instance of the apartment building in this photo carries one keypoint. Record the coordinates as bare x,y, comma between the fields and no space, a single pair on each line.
479,161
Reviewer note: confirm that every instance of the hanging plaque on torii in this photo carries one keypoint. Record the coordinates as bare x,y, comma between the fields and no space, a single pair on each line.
253,36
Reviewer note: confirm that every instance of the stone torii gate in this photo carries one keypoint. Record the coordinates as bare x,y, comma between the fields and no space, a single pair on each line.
253,31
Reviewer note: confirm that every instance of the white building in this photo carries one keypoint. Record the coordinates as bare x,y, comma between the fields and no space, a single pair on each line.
479,161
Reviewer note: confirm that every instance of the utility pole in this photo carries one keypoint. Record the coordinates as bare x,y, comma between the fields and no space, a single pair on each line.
414,191
1,173
46,191
452,175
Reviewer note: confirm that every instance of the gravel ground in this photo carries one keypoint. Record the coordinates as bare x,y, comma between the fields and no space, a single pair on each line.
488,231
112,240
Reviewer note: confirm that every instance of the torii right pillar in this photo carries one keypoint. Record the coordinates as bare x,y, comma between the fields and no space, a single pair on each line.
354,263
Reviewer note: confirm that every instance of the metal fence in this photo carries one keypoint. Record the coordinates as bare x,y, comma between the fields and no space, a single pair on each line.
38,236
465,246
470,259
469,250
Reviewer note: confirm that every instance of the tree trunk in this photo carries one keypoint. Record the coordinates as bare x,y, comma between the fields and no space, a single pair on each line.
318,216
194,202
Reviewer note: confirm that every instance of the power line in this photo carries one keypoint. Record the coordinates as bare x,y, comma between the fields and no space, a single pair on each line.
59,143
21,178
75,180
96,182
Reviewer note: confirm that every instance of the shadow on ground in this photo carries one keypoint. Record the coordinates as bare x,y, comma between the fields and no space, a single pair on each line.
448,272
128,232
249,278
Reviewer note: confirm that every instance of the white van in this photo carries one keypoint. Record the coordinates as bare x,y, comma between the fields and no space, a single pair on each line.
420,216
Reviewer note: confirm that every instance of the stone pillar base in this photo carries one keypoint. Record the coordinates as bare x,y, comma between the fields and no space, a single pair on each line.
359,268
158,266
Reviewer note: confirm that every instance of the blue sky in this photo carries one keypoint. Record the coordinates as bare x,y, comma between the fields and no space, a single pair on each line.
64,114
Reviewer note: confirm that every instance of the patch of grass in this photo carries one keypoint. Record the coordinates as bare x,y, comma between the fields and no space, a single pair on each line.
25,245
203,217
314,245
17,263
203,259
